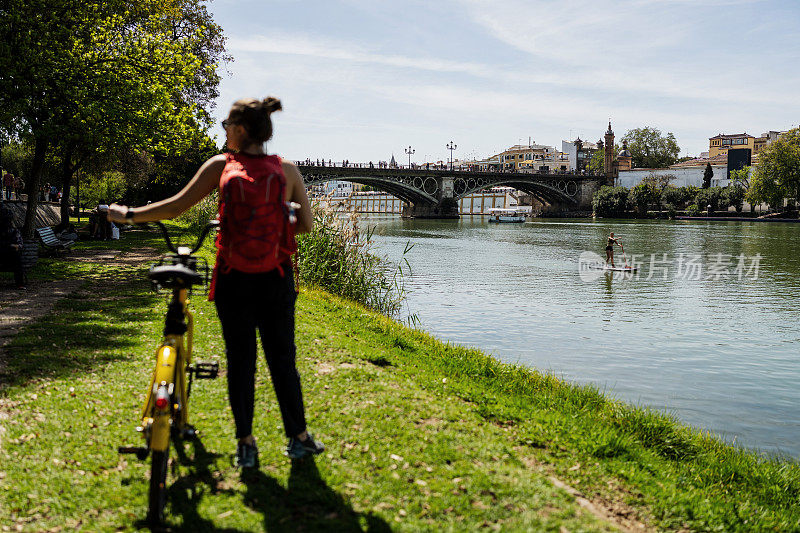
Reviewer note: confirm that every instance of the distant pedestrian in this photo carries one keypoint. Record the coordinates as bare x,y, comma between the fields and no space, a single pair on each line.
19,185
8,184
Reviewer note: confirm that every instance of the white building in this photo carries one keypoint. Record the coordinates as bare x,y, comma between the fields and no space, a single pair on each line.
338,188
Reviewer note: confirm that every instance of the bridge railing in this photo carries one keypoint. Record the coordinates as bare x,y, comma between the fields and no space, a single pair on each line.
471,169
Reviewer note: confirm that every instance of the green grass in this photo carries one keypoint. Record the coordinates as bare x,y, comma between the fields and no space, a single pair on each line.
421,435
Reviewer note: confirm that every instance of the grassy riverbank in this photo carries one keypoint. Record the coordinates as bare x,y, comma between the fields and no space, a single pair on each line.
421,435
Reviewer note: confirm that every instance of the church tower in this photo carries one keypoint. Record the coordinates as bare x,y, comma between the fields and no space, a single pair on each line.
610,164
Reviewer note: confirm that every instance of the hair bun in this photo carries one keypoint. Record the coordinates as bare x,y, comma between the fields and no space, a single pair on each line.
271,104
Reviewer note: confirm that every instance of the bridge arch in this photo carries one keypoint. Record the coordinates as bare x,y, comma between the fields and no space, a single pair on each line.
556,191
409,189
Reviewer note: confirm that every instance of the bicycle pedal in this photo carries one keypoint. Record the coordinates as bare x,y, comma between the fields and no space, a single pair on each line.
140,452
206,370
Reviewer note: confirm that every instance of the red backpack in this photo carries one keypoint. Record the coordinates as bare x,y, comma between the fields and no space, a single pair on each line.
255,234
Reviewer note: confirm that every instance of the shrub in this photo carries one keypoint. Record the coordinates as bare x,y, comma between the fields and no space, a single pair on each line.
106,186
690,193
610,201
196,217
733,195
693,210
706,197
672,196
642,195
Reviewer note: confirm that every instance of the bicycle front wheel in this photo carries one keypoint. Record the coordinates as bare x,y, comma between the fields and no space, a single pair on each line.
158,486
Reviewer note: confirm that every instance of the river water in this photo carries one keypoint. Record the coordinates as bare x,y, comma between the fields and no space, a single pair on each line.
708,328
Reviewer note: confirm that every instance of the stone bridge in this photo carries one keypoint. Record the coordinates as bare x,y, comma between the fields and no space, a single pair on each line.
435,193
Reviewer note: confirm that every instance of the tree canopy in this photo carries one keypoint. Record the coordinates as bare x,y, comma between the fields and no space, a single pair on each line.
90,76
778,170
708,174
650,149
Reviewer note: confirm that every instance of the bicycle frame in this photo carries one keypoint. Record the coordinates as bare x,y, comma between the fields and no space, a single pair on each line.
173,357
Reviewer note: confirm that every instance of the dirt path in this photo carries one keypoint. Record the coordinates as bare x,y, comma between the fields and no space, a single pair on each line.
20,308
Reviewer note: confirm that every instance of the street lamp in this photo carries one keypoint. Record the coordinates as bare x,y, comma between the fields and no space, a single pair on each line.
409,151
451,146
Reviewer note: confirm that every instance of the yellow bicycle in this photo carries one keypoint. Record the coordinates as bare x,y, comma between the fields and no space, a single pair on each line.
166,409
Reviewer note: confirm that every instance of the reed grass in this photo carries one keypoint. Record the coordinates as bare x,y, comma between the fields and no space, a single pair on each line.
337,255
195,219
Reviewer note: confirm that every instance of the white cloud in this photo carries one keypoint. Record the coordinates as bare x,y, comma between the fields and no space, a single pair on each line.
326,48
548,68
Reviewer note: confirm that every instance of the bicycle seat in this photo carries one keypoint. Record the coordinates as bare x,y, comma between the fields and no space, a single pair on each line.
175,276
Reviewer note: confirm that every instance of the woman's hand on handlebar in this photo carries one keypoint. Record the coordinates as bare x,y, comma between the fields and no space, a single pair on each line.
116,212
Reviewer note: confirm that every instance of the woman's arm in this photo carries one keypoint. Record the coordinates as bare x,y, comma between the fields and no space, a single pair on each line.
296,192
204,181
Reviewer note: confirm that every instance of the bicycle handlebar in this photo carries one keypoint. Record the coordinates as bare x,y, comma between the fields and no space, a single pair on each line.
198,244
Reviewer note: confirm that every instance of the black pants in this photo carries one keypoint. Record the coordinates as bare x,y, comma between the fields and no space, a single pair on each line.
263,302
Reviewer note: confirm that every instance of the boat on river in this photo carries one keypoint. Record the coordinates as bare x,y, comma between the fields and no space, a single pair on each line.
503,215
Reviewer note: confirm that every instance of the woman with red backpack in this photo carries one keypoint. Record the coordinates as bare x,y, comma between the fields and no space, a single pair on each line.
253,286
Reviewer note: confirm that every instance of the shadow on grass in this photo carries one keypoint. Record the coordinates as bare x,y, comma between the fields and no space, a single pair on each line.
80,335
185,494
307,504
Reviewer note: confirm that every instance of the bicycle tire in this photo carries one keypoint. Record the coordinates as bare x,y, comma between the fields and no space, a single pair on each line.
158,486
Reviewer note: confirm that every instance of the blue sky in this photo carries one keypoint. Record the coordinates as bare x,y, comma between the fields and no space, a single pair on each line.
362,79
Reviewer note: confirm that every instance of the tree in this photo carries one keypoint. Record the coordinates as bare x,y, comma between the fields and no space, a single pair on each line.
740,180
708,173
673,197
778,170
741,177
658,181
733,195
190,35
650,149
710,196
169,173
598,161
641,196
764,189
95,76
610,201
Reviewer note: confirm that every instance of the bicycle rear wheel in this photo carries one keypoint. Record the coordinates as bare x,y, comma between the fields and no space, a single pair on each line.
158,486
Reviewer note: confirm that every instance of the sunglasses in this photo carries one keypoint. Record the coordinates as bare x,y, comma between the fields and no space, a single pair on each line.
226,123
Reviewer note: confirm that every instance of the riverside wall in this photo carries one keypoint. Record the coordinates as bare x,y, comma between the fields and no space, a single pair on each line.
683,176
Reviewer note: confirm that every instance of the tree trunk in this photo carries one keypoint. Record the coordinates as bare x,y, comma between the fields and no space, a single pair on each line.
39,153
67,170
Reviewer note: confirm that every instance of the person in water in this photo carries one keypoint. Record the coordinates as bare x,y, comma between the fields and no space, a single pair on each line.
610,248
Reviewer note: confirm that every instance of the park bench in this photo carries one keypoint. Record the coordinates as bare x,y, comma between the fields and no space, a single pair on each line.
51,242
